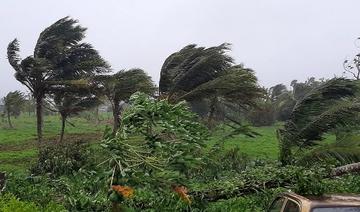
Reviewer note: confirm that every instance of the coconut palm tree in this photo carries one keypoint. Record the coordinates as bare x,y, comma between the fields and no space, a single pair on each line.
59,55
73,98
208,74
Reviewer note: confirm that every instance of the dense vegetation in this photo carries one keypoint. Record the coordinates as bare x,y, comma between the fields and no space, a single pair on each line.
210,138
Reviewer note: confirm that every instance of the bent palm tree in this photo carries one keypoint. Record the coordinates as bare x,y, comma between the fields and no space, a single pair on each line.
325,108
209,75
59,55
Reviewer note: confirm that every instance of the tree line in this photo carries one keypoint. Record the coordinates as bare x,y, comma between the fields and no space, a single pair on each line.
70,76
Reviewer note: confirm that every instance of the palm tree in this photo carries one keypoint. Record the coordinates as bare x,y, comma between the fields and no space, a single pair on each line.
13,103
59,55
192,66
73,99
324,108
121,85
199,73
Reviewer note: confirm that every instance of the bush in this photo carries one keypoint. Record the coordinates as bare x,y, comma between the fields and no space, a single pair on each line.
83,191
220,162
86,191
9,203
62,159
251,203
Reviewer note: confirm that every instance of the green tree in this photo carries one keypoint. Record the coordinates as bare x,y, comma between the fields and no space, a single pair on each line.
121,85
59,55
13,104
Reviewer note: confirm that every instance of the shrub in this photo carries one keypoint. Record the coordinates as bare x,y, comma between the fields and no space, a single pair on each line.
9,203
61,159
158,145
33,189
86,191
83,191
220,162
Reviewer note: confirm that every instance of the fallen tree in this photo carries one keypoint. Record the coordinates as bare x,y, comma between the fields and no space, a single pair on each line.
347,169
298,179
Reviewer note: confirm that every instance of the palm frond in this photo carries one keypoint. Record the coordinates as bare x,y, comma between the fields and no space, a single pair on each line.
341,114
341,154
13,54
321,99
238,85
64,33
192,66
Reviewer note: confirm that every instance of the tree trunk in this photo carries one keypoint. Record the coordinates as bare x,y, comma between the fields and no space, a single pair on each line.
39,118
9,119
97,115
63,125
212,111
349,168
29,109
116,109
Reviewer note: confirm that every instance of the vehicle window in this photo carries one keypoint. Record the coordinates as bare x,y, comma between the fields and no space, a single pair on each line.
337,209
291,206
277,205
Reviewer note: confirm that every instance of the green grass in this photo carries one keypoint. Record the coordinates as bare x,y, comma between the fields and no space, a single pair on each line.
18,145
25,128
263,146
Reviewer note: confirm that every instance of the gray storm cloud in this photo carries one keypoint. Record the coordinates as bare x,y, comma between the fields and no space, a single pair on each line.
281,40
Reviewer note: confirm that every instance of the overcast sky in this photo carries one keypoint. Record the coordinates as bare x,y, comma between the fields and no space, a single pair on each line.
281,40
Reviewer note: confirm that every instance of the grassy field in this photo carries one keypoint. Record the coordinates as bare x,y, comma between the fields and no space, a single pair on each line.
263,146
18,145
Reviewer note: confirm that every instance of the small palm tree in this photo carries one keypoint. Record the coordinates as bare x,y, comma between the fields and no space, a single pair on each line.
120,86
13,103
74,98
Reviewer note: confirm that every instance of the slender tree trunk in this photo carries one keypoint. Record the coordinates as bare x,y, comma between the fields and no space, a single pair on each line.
63,125
39,118
9,119
116,108
212,111
97,115
29,109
